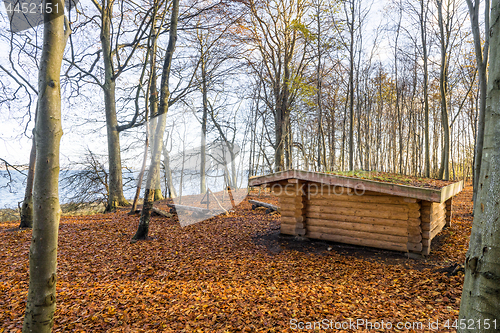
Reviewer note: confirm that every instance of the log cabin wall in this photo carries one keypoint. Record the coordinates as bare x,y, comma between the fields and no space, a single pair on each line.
435,216
292,199
371,219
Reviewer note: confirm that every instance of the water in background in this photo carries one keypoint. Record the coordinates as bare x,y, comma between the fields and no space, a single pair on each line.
12,188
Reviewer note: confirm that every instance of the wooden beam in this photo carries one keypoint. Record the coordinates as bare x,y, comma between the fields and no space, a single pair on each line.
414,247
295,206
358,234
430,226
291,213
403,208
376,199
359,212
451,190
375,228
357,219
402,247
287,229
437,229
289,200
292,220
432,209
414,221
430,218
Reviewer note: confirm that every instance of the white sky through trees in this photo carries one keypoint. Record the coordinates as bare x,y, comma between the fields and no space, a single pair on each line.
15,144
83,118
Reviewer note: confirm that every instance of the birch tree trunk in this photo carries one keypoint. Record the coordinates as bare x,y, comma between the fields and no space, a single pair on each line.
482,61
168,173
143,168
481,292
321,162
157,145
154,90
203,164
351,94
41,303
423,35
444,171
116,197
27,207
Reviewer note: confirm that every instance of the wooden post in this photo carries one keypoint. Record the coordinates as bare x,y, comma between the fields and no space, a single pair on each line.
449,211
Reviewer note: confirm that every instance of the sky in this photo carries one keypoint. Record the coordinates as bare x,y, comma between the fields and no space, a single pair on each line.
15,143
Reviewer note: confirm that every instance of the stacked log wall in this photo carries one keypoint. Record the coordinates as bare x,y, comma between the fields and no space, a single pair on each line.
368,219
435,216
292,207
449,208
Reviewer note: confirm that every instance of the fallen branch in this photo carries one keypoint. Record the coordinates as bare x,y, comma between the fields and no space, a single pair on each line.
161,212
270,208
193,209
218,203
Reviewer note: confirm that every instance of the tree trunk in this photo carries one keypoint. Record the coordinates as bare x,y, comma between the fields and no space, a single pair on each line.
282,124
143,168
482,61
481,292
351,103
41,303
154,168
203,176
154,92
319,91
27,207
398,100
152,35
116,197
423,32
168,173
279,152
443,89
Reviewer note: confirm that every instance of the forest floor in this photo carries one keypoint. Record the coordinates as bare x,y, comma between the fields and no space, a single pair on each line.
232,274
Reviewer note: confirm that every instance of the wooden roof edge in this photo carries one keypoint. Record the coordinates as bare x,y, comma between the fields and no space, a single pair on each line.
451,190
361,184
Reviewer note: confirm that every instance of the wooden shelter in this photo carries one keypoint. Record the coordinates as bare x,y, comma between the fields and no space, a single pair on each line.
360,211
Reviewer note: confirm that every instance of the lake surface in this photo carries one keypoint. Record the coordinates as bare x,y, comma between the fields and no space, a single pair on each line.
12,188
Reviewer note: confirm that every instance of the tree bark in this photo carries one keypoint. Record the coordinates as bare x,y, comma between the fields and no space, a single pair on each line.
143,168
482,61
398,97
444,171
41,303
481,292
154,91
319,93
27,207
154,168
203,164
351,96
116,197
168,174
423,34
